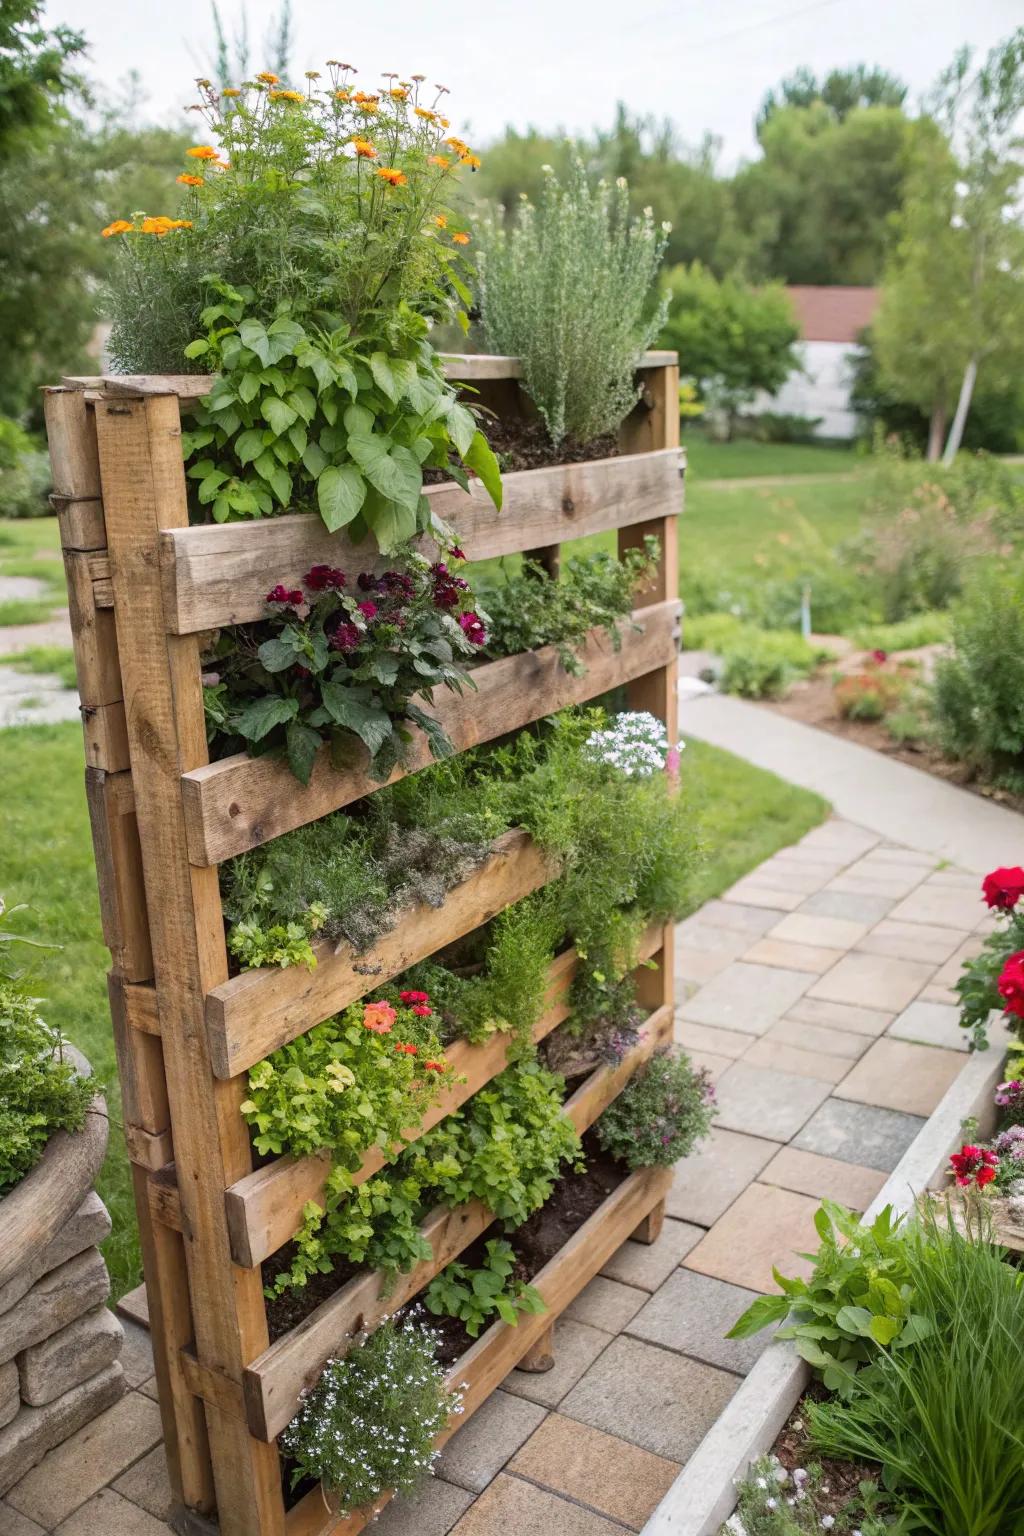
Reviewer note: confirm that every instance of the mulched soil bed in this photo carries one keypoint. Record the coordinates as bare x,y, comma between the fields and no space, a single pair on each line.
840,1480
293,1307
521,444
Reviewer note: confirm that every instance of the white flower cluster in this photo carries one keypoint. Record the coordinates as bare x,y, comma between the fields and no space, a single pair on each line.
635,743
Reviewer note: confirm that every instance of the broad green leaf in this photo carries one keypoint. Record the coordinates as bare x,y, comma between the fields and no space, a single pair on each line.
248,388
461,427
197,348
383,377
392,524
856,1320
822,1225
314,459
479,457
884,1329
372,726
254,336
760,1314
394,472
277,413
303,401
279,480
283,336
341,491
249,445
256,719
358,420
916,1328
302,744
281,651
812,1353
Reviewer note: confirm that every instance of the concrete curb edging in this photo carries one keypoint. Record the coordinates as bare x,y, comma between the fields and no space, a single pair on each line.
704,1493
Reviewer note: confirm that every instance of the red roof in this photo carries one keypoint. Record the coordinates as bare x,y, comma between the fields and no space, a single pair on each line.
833,314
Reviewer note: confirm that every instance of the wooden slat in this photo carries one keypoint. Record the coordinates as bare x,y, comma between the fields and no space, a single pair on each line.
140,1067
118,856
140,1007
260,1010
220,573
76,470
274,1381
489,1359
243,801
265,1209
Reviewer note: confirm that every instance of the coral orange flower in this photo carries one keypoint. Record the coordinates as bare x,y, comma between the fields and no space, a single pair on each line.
119,227
459,145
393,176
287,96
268,78
203,152
460,239
378,1017
440,221
444,121
439,160
190,181
364,149
158,225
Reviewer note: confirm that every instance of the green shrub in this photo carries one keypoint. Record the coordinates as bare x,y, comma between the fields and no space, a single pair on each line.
370,1421
490,1290
568,287
40,1092
757,663
660,1115
25,477
930,628
979,689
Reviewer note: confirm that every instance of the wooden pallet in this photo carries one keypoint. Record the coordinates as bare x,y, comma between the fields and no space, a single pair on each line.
143,588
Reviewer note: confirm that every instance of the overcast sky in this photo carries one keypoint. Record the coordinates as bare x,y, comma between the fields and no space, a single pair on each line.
557,63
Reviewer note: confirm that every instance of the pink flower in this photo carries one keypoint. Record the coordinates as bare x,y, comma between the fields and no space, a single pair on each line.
455,553
322,577
1003,888
472,627
367,609
974,1165
879,656
379,1018
282,595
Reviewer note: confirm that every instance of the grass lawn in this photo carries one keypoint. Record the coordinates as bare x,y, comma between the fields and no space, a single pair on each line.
745,459
31,547
46,860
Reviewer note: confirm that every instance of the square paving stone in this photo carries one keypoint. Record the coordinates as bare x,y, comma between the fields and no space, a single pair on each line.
13,1524
606,1304
840,838
826,1178
692,1313
136,1353
646,1265
852,907
949,974
800,875
607,1473
512,1507
874,879
771,897
942,906
747,997
869,1022
661,1401
819,932
783,1057
148,1484
766,1227
475,1455
896,1074
108,1513
694,966
859,1133
577,1346
794,957
707,1182
705,1037
711,1062
431,1511
840,1043
873,981
930,1024
911,941
97,1454
766,1103
732,914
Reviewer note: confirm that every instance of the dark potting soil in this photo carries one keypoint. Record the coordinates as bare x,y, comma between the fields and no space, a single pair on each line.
573,1201
521,444
840,1480
293,1307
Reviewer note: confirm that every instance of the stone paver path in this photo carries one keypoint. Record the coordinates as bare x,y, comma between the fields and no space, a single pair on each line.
817,992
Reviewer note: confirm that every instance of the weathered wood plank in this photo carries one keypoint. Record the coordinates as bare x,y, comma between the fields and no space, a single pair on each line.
140,1006
274,1381
243,801
265,1208
76,470
252,1014
220,573
115,837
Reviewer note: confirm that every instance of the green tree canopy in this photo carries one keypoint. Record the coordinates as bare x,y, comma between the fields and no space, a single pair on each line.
842,91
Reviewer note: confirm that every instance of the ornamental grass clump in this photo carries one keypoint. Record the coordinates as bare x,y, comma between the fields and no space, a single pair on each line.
660,1115
569,285
370,1422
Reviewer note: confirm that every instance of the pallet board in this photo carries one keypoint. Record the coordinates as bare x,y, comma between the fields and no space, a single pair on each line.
144,590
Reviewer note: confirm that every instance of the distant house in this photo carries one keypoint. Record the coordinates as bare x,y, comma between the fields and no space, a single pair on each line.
830,320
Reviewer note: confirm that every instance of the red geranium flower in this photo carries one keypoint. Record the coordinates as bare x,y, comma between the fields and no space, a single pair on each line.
414,997
406,1050
434,1066
1003,888
423,1011
282,595
879,656
321,577
1011,984
974,1165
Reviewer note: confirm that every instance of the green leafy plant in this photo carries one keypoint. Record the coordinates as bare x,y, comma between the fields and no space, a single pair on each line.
341,662
979,689
660,1115
475,1295
40,1092
861,1299
771,1501
568,287
370,1421
978,983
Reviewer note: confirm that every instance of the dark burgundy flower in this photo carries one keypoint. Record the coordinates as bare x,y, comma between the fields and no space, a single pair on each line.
398,585
472,627
367,609
345,637
1011,984
322,578
282,595
446,586
455,553
1003,888
366,581
300,670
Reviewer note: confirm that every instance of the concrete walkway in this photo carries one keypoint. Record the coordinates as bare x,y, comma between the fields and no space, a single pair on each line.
888,797
817,992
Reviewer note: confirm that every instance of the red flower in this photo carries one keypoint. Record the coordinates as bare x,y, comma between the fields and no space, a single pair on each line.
434,1066
406,1050
282,595
422,1009
879,656
974,1165
446,586
414,997
322,577
398,584
367,609
1011,984
455,553
345,637
1003,888
472,627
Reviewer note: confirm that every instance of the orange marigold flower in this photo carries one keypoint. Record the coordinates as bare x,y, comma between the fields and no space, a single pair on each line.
393,176
361,99
427,116
268,78
231,91
287,96
440,160
341,95
445,122
473,161
399,92
203,152
364,149
190,181
119,227
440,221
460,239
459,145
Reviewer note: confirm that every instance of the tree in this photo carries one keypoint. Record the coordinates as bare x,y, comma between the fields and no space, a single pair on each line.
842,92
732,338
35,71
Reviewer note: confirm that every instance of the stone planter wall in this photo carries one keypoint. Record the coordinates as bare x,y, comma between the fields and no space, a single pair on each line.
59,1344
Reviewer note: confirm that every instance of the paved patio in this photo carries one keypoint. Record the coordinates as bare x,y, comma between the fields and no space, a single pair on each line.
817,991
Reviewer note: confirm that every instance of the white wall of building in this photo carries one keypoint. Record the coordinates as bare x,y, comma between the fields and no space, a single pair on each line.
822,389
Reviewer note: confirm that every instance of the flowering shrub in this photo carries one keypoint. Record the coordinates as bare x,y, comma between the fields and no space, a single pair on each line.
353,1082
1010,1102
370,1421
341,661
636,744
994,979
475,1295
660,1115
317,246
874,692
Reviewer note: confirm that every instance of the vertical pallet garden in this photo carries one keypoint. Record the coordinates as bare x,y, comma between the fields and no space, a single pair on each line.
144,588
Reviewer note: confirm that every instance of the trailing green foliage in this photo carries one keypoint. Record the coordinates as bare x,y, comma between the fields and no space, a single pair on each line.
660,1115
475,1295
370,1421
979,689
39,1090
568,288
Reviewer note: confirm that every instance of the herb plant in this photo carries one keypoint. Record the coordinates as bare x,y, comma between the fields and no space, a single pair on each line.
40,1092
567,286
370,1422
660,1115
490,1290
340,663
